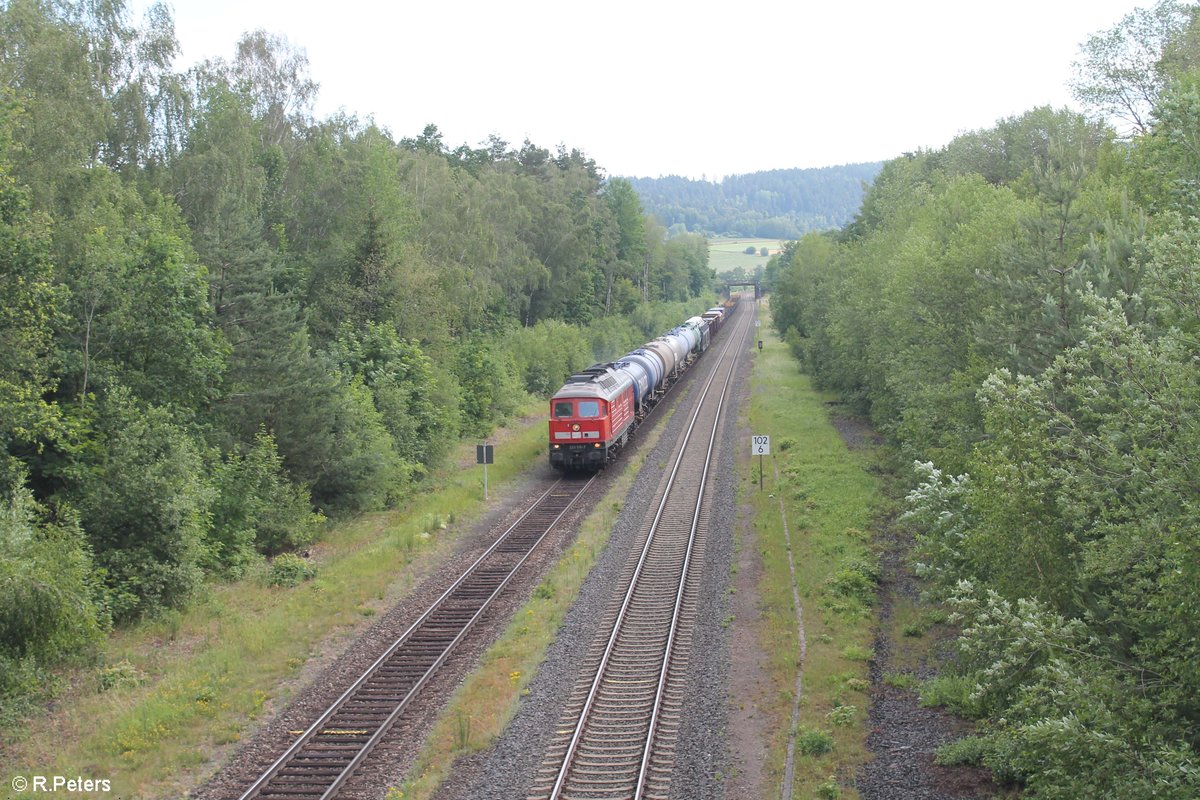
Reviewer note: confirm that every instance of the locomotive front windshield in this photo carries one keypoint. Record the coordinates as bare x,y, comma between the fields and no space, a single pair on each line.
583,409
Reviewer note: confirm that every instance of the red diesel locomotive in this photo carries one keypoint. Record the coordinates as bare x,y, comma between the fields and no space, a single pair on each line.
593,415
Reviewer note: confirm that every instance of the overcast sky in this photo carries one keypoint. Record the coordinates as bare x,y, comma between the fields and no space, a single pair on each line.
661,87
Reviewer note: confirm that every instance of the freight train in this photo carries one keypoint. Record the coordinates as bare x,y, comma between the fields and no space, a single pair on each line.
596,411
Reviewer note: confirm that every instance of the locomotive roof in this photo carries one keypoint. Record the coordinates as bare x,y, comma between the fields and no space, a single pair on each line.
599,380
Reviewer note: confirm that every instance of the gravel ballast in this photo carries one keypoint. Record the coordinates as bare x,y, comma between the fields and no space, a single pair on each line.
507,769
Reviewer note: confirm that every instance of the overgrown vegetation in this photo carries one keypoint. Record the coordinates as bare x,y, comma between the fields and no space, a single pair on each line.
830,500
222,319
1019,311
177,692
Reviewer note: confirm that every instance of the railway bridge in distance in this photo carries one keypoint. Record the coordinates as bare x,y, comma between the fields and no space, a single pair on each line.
731,285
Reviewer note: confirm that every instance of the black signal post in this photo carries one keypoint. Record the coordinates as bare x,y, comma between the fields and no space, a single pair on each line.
483,455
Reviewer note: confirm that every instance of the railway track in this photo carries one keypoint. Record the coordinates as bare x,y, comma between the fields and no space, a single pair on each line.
323,757
616,737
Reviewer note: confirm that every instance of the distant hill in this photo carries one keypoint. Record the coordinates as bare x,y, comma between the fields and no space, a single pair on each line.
777,204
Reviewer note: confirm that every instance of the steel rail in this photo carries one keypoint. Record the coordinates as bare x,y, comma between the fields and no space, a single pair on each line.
610,646
313,730
687,560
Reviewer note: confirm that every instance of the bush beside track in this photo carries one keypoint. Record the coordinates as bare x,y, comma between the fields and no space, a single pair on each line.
187,687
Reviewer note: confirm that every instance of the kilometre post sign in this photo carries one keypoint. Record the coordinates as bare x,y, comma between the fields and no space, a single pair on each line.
760,446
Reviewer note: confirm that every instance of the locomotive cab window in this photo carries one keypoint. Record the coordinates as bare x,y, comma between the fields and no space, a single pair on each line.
589,408
562,409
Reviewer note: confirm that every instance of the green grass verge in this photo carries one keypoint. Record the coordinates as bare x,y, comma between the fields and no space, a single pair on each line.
180,691
831,501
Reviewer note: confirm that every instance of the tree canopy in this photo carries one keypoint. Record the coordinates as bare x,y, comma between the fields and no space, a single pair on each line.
1018,311
775,204
222,318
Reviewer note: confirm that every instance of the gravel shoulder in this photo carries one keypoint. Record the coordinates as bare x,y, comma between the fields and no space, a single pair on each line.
749,693
903,735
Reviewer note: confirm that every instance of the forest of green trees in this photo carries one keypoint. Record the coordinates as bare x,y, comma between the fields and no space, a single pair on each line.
1020,311
222,319
775,204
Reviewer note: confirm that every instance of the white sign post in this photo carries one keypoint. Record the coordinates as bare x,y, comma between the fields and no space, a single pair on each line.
760,446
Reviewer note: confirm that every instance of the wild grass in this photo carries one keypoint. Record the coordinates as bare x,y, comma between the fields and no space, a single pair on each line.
830,501
176,693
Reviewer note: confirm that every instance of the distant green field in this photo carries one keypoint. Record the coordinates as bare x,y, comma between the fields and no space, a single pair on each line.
725,255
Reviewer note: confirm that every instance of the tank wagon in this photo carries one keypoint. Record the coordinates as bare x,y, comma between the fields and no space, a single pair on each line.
596,411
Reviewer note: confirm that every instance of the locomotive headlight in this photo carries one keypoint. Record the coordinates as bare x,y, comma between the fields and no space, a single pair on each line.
597,444
555,446
575,427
